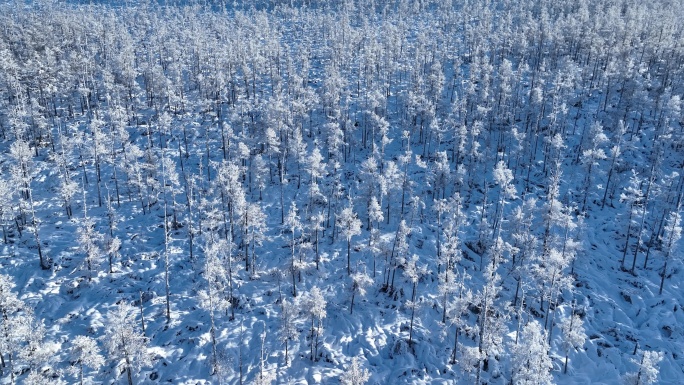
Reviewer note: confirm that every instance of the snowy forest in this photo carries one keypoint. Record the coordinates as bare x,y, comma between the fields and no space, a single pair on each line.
353,192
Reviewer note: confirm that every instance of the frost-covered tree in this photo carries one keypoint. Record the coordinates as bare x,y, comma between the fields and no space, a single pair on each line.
572,328
259,174
232,195
398,255
413,272
12,332
530,361
633,197
389,181
671,235
359,285
591,157
405,181
214,297
524,241
293,225
369,174
22,173
616,152
112,242
288,329
458,308
96,148
350,226
37,351
450,253
355,374
85,354
171,187
315,166
643,210
440,175
549,272
135,172
316,227
89,241
67,190
125,344
491,321
552,210
314,304
255,228
647,372
503,177
264,377
6,206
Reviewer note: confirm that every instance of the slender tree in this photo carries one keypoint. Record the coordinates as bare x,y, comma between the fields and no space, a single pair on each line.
573,336
125,344
359,285
350,226
647,372
530,361
85,354
355,374
671,235
288,330
315,305
413,272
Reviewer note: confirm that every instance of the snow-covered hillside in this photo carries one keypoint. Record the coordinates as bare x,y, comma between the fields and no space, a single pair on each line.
381,192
